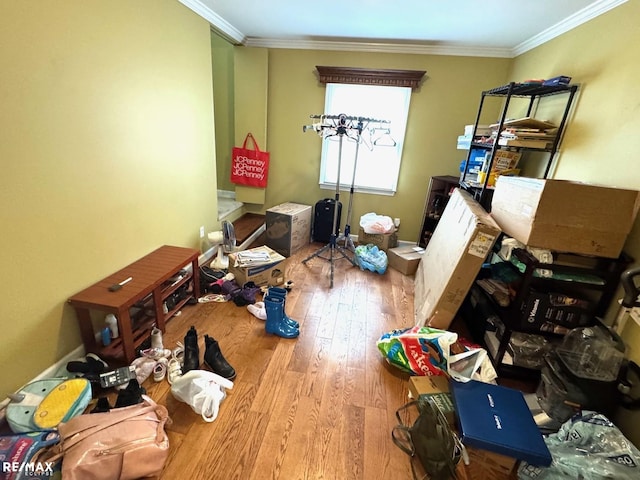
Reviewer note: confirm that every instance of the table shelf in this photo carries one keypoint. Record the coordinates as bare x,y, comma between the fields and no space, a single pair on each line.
139,304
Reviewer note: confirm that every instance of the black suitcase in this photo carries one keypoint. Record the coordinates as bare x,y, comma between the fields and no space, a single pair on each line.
323,219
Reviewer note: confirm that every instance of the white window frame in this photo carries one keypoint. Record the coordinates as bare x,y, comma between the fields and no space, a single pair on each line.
348,99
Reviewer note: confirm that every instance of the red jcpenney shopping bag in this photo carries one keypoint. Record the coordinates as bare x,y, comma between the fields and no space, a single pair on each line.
249,167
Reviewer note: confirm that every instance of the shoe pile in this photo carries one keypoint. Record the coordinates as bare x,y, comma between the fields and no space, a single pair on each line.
130,395
247,295
154,360
241,296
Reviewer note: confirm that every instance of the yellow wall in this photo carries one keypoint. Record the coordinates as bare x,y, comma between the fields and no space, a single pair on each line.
447,100
601,143
222,53
250,104
107,153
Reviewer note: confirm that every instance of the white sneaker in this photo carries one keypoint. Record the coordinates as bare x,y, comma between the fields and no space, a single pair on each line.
174,370
257,310
160,370
156,338
144,366
156,353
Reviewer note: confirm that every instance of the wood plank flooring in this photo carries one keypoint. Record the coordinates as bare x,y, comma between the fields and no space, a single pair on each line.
318,407
246,225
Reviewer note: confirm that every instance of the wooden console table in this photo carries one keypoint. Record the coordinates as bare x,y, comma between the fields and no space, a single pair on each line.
140,303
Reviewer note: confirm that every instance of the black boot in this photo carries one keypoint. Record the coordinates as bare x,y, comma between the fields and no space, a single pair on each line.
102,406
191,351
132,395
215,361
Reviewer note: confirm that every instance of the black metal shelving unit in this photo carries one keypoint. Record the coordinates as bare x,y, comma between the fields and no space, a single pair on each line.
513,317
534,92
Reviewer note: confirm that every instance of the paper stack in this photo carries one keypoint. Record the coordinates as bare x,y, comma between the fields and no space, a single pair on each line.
527,132
251,257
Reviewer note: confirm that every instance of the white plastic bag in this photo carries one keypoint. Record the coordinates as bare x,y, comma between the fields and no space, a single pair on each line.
203,391
474,364
374,223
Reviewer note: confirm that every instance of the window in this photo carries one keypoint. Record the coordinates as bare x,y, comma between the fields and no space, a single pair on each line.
380,150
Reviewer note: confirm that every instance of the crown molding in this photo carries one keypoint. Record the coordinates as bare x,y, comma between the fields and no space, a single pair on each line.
378,47
583,16
236,37
218,23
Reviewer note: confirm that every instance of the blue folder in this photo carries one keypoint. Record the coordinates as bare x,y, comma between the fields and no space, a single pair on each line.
497,419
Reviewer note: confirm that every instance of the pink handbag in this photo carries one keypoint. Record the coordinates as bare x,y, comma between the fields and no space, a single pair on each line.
124,443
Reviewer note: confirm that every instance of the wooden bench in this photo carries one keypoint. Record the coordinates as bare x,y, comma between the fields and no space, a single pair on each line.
141,303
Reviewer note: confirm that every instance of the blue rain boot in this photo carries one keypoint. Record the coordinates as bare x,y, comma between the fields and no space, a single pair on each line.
276,323
282,293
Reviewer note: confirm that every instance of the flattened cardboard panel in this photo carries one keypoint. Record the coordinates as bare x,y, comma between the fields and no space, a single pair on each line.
460,243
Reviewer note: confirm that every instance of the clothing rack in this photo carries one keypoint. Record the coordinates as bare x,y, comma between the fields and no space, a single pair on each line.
352,127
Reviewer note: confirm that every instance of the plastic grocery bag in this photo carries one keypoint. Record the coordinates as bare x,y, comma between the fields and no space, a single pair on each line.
417,350
203,391
430,351
370,257
374,223
587,446
473,363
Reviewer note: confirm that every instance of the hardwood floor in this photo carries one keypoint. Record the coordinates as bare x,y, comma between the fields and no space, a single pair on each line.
318,407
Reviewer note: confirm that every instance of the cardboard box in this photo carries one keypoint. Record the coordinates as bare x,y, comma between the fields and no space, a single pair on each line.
437,388
540,308
484,464
384,241
272,273
565,216
288,227
405,259
459,246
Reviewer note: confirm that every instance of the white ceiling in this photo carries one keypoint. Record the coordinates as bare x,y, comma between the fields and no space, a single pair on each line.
501,28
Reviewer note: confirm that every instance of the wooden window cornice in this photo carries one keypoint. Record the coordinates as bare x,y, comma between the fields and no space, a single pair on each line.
371,76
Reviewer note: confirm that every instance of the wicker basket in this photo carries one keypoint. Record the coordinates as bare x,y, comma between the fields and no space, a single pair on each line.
485,465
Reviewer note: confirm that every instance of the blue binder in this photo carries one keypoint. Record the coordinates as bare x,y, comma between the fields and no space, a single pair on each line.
497,419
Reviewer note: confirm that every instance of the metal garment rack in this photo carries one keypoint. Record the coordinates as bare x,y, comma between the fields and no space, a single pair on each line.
340,125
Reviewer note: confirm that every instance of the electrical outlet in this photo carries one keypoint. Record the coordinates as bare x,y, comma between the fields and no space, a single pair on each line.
202,231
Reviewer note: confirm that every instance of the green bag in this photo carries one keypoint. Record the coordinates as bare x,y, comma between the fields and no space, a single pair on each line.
429,438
